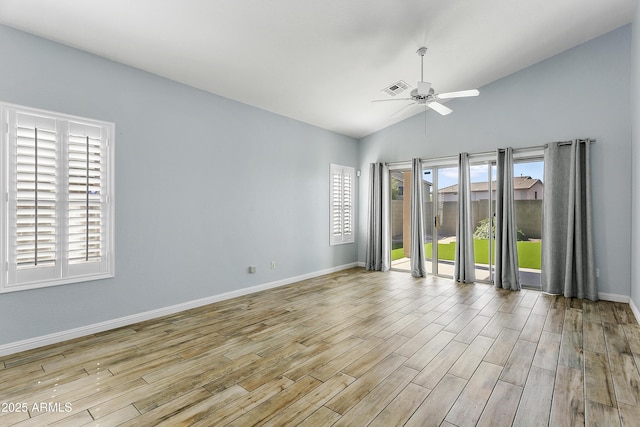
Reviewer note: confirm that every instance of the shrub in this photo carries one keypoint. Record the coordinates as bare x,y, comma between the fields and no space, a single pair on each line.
482,230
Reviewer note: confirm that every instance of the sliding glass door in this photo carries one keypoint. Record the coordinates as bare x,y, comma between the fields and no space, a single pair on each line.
440,251
440,210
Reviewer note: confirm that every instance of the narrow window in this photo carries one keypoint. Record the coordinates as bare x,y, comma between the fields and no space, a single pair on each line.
341,206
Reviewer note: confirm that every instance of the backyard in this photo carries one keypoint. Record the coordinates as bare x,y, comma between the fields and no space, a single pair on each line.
528,252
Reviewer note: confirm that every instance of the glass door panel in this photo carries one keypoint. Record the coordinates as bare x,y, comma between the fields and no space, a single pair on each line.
446,219
528,195
428,197
400,181
482,219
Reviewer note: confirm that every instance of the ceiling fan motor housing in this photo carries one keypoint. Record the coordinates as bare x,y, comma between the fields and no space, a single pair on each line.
421,98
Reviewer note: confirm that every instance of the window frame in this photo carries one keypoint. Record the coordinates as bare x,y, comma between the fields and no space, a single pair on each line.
64,272
342,238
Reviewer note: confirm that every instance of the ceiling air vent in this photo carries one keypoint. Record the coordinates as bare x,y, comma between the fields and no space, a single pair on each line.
396,88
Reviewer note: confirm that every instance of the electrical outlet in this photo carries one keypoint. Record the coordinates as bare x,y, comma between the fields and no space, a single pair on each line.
273,265
252,269
597,272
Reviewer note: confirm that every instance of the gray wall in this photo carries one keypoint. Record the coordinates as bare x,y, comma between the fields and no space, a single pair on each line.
582,92
635,159
183,157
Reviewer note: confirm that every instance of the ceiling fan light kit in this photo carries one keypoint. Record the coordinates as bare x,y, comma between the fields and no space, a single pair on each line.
424,88
425,95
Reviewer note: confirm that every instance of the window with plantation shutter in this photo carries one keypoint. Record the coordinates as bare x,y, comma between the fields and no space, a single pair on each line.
57,222
341,206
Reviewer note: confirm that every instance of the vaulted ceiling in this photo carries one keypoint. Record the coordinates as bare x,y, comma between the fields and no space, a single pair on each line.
321,61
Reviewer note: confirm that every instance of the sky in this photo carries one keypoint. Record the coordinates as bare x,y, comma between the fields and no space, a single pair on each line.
449,176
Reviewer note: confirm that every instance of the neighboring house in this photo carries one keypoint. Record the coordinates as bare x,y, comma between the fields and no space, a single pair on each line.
398,179
525,188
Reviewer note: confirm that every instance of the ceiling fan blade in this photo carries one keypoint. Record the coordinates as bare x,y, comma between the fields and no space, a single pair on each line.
458,94
393,99
402,109
436,106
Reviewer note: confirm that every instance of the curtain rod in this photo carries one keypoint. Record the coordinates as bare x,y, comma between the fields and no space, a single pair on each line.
487,153
591,141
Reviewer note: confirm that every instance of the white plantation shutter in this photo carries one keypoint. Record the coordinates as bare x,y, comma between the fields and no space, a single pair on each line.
57,216
341,204
85,191
36,194
336,203
347,204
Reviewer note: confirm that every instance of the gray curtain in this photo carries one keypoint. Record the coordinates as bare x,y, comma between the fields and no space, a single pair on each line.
418,268
378,256
507,275
567,230
464,267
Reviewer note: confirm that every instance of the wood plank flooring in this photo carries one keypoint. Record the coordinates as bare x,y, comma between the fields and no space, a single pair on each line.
350,348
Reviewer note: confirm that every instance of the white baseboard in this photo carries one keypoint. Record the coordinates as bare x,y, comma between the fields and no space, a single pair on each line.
634,309
57,337
613,297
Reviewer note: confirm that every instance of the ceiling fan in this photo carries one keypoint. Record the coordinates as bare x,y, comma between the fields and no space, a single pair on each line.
425,95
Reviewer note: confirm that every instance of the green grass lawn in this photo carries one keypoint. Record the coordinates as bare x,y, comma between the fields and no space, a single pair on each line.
397,254
528,253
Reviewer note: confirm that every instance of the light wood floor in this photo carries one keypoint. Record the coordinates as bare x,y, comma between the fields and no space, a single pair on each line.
350,348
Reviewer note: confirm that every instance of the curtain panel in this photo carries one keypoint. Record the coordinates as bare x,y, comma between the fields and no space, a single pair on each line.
507,275
378,253
418,268
567,231
464,265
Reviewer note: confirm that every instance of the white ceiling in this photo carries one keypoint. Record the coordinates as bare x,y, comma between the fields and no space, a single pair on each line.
321,61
